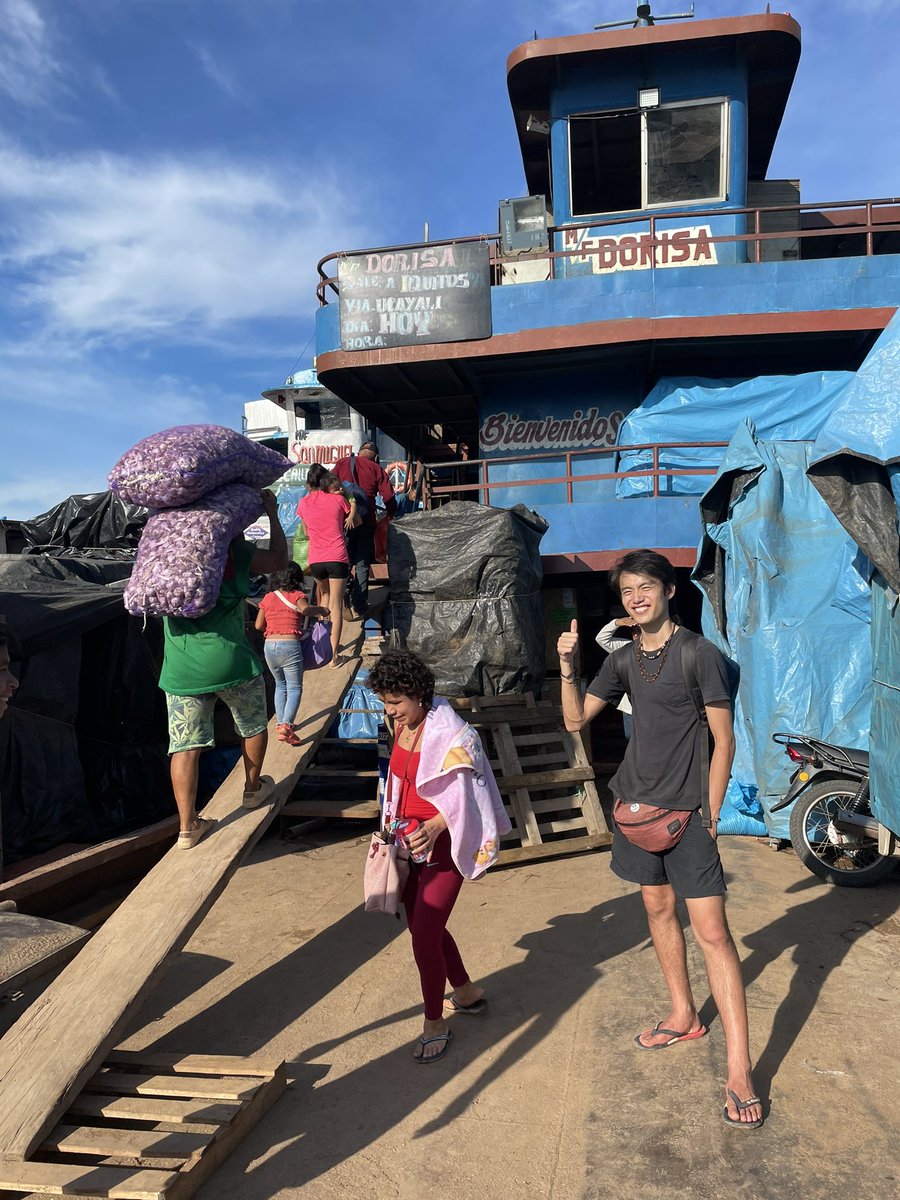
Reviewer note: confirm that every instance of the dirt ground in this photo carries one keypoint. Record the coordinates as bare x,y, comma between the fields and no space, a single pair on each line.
543,1095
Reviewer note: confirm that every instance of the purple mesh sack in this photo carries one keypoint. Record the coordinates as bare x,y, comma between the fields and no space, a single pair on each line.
177,466
317,650
181,555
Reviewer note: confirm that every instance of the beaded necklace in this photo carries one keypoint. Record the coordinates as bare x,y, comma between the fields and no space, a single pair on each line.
660,654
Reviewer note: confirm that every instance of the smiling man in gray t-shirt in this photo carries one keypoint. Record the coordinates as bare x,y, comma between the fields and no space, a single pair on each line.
661,769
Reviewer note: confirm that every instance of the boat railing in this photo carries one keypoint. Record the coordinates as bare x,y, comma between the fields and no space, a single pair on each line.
862,220
471,478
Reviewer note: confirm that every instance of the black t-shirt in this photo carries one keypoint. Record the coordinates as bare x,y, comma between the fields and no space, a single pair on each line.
662,762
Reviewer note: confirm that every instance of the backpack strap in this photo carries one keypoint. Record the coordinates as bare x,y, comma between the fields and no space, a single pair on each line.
619,659
689,671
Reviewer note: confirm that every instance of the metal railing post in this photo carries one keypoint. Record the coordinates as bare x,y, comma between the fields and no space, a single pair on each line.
870,232
656,472
485,480
570,498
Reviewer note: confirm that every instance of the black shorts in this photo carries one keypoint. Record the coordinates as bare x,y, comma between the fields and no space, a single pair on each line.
329,570
692,866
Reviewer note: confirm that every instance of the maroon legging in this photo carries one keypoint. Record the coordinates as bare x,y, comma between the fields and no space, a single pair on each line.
428,898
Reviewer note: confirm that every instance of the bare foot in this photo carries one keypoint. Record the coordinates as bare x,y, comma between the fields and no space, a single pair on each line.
432,1029
741,1084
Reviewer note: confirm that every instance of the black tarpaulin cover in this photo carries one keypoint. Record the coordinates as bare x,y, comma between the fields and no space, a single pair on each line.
99,519
465,596
83,748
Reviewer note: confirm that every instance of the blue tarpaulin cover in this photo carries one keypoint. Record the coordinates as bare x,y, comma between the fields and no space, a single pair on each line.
855,465
782,407
770,564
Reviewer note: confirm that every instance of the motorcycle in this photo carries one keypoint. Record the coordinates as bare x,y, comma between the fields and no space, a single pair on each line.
833,832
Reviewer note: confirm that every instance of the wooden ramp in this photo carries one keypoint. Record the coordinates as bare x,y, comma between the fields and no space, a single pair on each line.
150,1127
62,1039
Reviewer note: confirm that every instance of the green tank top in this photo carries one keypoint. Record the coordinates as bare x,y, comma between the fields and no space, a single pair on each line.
207,654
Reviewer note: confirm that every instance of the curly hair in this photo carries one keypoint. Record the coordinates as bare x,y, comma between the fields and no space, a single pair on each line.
402,673
288,580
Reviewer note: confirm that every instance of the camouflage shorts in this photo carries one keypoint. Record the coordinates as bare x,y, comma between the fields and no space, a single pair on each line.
191,717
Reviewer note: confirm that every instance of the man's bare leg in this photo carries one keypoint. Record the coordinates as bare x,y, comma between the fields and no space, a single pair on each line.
254,751
723,969
184,767
668,942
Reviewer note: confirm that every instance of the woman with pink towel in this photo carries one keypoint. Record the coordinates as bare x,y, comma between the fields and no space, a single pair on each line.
439,776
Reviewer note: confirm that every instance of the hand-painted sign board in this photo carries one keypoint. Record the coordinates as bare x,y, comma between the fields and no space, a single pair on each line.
437,293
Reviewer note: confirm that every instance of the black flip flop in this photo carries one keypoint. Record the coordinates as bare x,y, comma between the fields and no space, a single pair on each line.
479,1005
425,1041
741,1105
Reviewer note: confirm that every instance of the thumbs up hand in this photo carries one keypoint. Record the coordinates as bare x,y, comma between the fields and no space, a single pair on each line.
567,646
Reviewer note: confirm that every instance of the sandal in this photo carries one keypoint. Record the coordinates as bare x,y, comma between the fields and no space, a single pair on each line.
741,1106
672,1034
188,838
262,793
426,1041
478,1006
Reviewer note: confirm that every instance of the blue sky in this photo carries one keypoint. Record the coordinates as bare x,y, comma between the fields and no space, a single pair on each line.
172,170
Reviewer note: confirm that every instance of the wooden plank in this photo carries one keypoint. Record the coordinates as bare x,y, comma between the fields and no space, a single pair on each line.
228,1138
62,1038
115,1142
62,1179
195,1064
327,772
336,810
552,737
524,818
53,873
196,1087
519,854
544,779
153,1108
32,946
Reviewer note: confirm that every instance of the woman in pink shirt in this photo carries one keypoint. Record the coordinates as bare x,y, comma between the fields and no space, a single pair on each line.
326,515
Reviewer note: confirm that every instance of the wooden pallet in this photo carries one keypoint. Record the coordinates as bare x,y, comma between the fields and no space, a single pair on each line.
149,1127
544,775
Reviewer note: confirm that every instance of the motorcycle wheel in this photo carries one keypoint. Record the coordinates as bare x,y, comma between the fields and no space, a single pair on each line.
846,860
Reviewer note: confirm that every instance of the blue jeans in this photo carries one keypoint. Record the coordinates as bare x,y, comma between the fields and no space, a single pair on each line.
284,659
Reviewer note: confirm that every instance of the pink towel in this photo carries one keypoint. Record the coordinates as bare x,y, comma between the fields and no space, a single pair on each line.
465,794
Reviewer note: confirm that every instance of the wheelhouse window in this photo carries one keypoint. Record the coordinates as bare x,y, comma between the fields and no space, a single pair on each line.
631,159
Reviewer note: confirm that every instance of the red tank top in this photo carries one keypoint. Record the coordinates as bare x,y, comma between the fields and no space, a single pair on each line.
405,768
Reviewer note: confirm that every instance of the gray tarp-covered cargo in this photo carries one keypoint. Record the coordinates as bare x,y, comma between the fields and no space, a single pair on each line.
465,596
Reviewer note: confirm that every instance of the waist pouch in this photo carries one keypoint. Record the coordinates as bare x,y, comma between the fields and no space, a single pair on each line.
651,828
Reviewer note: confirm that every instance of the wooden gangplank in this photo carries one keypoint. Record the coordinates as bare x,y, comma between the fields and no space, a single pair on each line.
58,1044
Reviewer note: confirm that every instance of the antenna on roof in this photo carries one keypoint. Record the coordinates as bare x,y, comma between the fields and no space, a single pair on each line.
645,17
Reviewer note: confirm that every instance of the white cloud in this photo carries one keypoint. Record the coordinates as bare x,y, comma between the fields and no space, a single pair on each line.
114,247
29,71
216,71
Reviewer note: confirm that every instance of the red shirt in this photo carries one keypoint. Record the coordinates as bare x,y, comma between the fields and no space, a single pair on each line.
323,514
282,621
405,768
373,480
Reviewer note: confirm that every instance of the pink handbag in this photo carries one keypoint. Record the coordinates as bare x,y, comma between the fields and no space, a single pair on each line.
385,876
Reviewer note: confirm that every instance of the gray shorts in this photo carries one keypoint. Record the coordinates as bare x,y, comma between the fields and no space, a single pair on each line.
692,866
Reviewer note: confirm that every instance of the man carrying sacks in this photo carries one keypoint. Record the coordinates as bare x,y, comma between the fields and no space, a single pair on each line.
193,568
208,657
661,840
